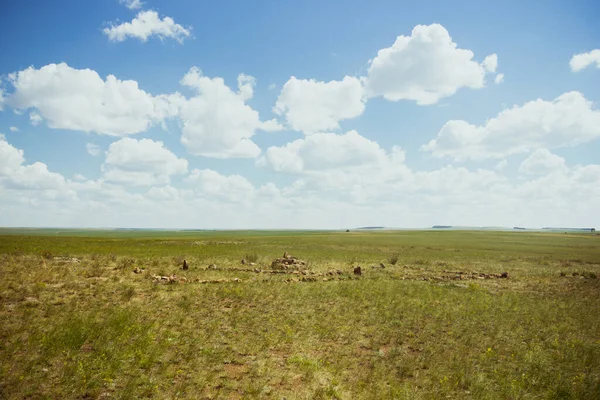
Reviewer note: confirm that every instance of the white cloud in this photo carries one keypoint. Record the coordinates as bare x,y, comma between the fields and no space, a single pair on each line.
324,151
14,129
583,60
313,106
11,158
164,193
567,120
141,163
217,122
272,86
501,165
79,177
212,184
499,79
92,149
490,63
542,162
368,193
35,118
15,175
132,4
147,24
426,67
79,99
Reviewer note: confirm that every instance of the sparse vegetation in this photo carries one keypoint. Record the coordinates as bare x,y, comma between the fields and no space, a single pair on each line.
87,326
394,258
251,257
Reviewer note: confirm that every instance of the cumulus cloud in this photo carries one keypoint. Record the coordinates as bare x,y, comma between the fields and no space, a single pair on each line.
501,165
583,60
14,129
35,118
314,106
338,196
568,120
542,162
490,63
92,149
145,25
141,163
15,175
217,122
425,67
79,99
132,4
498,79
324,151
215,185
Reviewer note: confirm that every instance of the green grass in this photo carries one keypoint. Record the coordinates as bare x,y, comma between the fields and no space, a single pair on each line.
78,323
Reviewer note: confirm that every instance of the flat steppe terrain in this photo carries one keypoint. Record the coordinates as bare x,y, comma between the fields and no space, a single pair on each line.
434,314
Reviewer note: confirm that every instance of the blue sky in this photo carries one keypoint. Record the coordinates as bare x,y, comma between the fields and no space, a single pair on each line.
305,114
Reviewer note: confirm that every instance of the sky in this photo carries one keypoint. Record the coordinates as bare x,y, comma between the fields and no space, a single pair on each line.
299,115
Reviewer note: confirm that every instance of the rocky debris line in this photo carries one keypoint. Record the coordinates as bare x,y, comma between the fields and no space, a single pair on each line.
177,279
168,279
216,280
332,272
457,277
586,275
287,262
320,277
478,275
67,259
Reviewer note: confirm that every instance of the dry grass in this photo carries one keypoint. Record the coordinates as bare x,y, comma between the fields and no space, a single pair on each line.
78,323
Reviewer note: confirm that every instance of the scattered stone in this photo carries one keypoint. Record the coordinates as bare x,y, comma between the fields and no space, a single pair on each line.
287,262
252,264
504,275
212,266
243,262
381,265
137,270
185,265
357,271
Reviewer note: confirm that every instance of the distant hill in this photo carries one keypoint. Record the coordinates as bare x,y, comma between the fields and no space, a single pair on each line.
567,229
441,227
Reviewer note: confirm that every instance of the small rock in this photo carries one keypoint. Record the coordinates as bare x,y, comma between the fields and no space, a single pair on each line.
504,275
381,265
252,264
243,262
212,266
137,270
185,265
357,271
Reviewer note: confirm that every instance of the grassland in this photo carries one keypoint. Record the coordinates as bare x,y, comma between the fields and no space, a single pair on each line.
77,322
